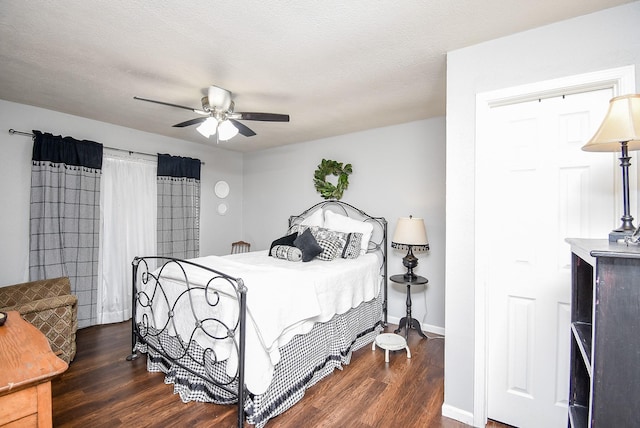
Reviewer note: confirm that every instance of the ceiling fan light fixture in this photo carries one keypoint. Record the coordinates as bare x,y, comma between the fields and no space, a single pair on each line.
208,127
219,115
226,130
219,98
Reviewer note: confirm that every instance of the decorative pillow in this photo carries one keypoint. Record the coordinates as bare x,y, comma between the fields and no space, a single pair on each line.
286,252
308,245
315,219
332,235
342,223
352,249
285,240
330,249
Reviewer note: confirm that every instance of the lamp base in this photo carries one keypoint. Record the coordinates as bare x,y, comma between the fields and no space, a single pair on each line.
410,276
616,235
410,262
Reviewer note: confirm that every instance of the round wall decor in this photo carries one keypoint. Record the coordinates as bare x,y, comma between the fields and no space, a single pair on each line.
222,189
330,167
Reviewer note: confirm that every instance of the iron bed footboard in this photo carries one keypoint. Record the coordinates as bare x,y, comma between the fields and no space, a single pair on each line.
148,327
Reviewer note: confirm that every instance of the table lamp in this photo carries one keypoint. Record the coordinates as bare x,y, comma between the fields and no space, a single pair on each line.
410,235
620,131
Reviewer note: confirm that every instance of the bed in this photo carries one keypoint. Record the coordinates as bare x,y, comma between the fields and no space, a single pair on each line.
257,329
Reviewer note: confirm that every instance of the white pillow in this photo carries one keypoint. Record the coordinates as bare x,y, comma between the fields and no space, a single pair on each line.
315,219
342,223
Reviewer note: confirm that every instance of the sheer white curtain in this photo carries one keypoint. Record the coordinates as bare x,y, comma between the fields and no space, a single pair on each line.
128,229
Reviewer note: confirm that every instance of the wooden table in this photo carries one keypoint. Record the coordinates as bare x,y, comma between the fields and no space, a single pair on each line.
27,366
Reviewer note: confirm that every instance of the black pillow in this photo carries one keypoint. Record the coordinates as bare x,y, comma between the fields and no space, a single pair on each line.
308,245
285,240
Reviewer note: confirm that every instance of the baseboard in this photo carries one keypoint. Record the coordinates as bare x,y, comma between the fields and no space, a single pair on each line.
426,328
457,414
433,329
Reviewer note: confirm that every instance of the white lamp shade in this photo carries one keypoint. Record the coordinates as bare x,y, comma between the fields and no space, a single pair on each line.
621,124
208,127
226,130
410,231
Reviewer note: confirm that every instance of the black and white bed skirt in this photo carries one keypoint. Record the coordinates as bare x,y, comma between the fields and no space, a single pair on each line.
305,360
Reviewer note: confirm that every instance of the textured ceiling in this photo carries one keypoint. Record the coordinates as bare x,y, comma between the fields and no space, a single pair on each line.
334,66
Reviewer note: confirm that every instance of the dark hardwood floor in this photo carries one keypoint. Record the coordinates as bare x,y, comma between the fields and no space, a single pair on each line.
102,389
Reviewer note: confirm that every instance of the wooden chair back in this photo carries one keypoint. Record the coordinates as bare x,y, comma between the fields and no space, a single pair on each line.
240,247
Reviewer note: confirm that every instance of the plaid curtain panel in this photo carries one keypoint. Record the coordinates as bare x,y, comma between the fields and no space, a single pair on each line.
65,216
178,207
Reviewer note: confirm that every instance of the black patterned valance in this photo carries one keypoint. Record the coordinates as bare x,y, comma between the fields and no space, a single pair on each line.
177,166
66,150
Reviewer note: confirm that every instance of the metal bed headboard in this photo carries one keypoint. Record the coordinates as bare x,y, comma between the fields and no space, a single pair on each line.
377,244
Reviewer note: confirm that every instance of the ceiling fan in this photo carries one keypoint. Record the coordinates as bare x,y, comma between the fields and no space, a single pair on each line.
219,117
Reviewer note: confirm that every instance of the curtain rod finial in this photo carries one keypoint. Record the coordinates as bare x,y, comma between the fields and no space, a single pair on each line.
13,132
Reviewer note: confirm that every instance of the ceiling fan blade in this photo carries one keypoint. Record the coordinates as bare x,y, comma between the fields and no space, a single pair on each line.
242,129
266,117
190,122
168,104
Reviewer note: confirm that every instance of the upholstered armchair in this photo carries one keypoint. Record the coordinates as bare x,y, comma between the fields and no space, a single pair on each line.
49,305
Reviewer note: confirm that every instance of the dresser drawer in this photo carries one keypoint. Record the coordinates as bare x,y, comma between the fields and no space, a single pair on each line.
17,405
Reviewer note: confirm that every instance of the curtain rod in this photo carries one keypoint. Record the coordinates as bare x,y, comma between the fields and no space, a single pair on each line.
29,134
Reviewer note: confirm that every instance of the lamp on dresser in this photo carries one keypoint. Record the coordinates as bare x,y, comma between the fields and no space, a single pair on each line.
620,131
410,235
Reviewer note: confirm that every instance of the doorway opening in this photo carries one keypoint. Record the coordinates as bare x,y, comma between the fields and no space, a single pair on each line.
619,81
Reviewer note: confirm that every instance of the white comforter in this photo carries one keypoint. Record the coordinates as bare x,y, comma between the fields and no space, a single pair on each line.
283,299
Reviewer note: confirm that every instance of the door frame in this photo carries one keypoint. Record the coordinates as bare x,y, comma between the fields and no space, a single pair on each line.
622,81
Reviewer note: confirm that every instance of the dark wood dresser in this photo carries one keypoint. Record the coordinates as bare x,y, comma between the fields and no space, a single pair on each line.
605,326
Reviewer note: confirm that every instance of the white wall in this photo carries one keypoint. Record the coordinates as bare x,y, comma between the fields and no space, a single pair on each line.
397,171
598,41
216,232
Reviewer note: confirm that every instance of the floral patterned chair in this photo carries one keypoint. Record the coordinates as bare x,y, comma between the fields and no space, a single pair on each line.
49,305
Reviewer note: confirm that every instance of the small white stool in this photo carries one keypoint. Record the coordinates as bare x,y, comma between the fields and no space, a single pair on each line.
390,342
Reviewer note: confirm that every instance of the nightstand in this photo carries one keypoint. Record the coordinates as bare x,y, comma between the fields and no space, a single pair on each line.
408,322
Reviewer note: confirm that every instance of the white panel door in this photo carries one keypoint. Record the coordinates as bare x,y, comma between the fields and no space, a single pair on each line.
544,188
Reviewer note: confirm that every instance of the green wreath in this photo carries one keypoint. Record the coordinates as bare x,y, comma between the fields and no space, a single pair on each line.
331,167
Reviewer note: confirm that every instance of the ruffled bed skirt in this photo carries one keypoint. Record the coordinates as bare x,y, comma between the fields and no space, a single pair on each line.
305,360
